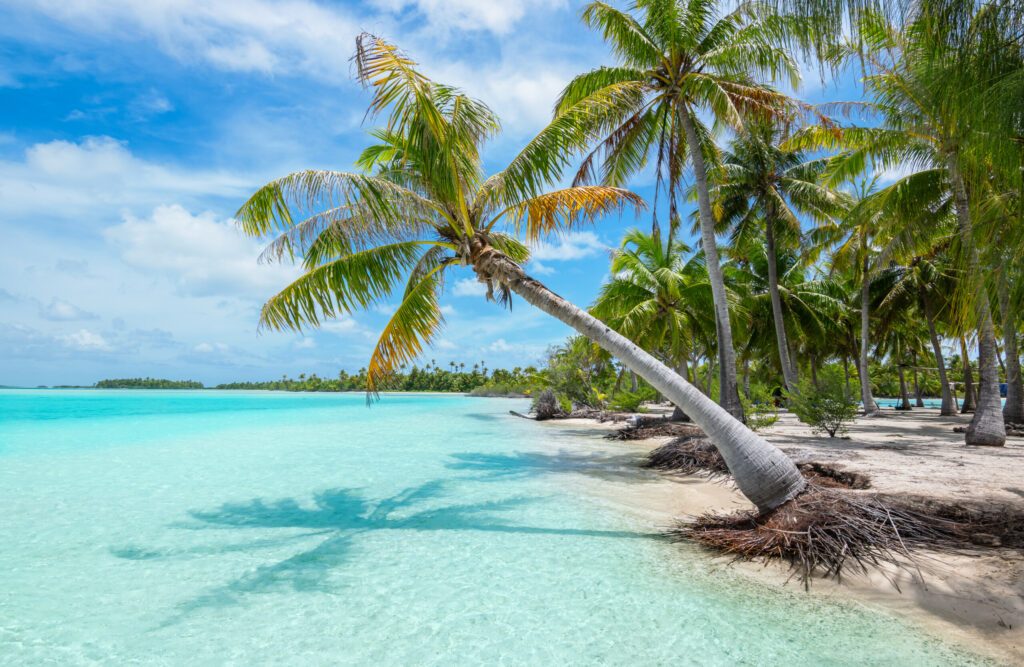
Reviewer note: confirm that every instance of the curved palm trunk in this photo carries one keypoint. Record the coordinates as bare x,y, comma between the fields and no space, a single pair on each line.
1013,411
728,389
948,404
987,427
788,371
870,407
765,475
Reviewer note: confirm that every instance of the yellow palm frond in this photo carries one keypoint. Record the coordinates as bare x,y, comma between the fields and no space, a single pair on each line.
563,210
413,325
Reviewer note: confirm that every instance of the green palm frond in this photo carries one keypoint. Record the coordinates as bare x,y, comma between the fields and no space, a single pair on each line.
352,282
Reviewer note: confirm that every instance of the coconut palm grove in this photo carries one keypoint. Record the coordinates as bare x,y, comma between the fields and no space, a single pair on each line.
800,343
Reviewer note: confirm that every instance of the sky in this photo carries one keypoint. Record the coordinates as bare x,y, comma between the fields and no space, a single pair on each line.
132,130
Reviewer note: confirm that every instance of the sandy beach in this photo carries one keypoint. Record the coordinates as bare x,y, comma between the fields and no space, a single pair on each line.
974,599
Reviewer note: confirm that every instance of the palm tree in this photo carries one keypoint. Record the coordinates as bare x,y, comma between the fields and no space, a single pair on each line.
918,289
426,209
809,307
853,241
657,298
675,61
923,127
763,189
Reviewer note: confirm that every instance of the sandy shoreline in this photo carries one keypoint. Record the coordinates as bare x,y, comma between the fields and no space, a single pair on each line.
974,600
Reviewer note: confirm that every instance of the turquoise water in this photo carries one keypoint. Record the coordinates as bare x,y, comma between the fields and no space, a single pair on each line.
252,528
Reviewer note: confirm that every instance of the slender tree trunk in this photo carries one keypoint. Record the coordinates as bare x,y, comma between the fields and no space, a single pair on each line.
814,371
729,396
846,375
986,428
870,407
1013,411
634,386
969,405
904,394
746,378
948,402
763,473
709,379
788,376
678,414
918,400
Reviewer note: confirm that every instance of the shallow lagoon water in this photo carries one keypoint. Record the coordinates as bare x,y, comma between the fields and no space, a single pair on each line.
249,528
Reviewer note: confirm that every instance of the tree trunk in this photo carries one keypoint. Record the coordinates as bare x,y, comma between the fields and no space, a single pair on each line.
918,400
814,372
1013,411
846,375
948,403
678,414
986,428
788,376
634,386
746,378
763,473
969,404
870,407
904,394
729,396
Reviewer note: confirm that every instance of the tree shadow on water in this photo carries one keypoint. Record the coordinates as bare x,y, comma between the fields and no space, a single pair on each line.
625,467
335,520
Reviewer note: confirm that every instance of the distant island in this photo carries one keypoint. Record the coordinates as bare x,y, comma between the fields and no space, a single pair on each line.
478,380
148,383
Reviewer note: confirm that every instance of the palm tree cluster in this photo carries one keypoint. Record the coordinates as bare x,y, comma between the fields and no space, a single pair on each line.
793,255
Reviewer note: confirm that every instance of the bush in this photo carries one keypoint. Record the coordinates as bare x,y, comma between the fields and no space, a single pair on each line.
632,401
825,408
759,409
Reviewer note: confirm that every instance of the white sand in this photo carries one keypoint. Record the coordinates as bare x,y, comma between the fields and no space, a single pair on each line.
975,599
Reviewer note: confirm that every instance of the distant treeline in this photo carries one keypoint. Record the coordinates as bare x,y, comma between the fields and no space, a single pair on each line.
148,383
478,379
456,378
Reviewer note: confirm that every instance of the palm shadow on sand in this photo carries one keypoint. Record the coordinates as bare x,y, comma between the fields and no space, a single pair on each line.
334,522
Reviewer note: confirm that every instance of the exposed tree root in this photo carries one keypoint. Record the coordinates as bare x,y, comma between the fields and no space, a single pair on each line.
828,476
688,455
697,454
656,427
824,531
829,532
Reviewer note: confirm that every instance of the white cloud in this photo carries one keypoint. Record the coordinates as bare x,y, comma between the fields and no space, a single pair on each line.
469,287
87,341
67,180
539,269
200,254
577,245
60,310
493,16
266,36
305,344
209,348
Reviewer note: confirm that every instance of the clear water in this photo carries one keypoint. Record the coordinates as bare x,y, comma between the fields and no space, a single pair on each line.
252,528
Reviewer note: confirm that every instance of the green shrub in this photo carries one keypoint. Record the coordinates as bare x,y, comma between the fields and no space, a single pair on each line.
759,409
825,408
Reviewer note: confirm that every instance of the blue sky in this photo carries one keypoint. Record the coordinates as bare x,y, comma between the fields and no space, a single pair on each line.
131,130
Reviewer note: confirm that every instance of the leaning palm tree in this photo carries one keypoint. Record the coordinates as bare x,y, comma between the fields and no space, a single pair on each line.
763,190
677,60
427,208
